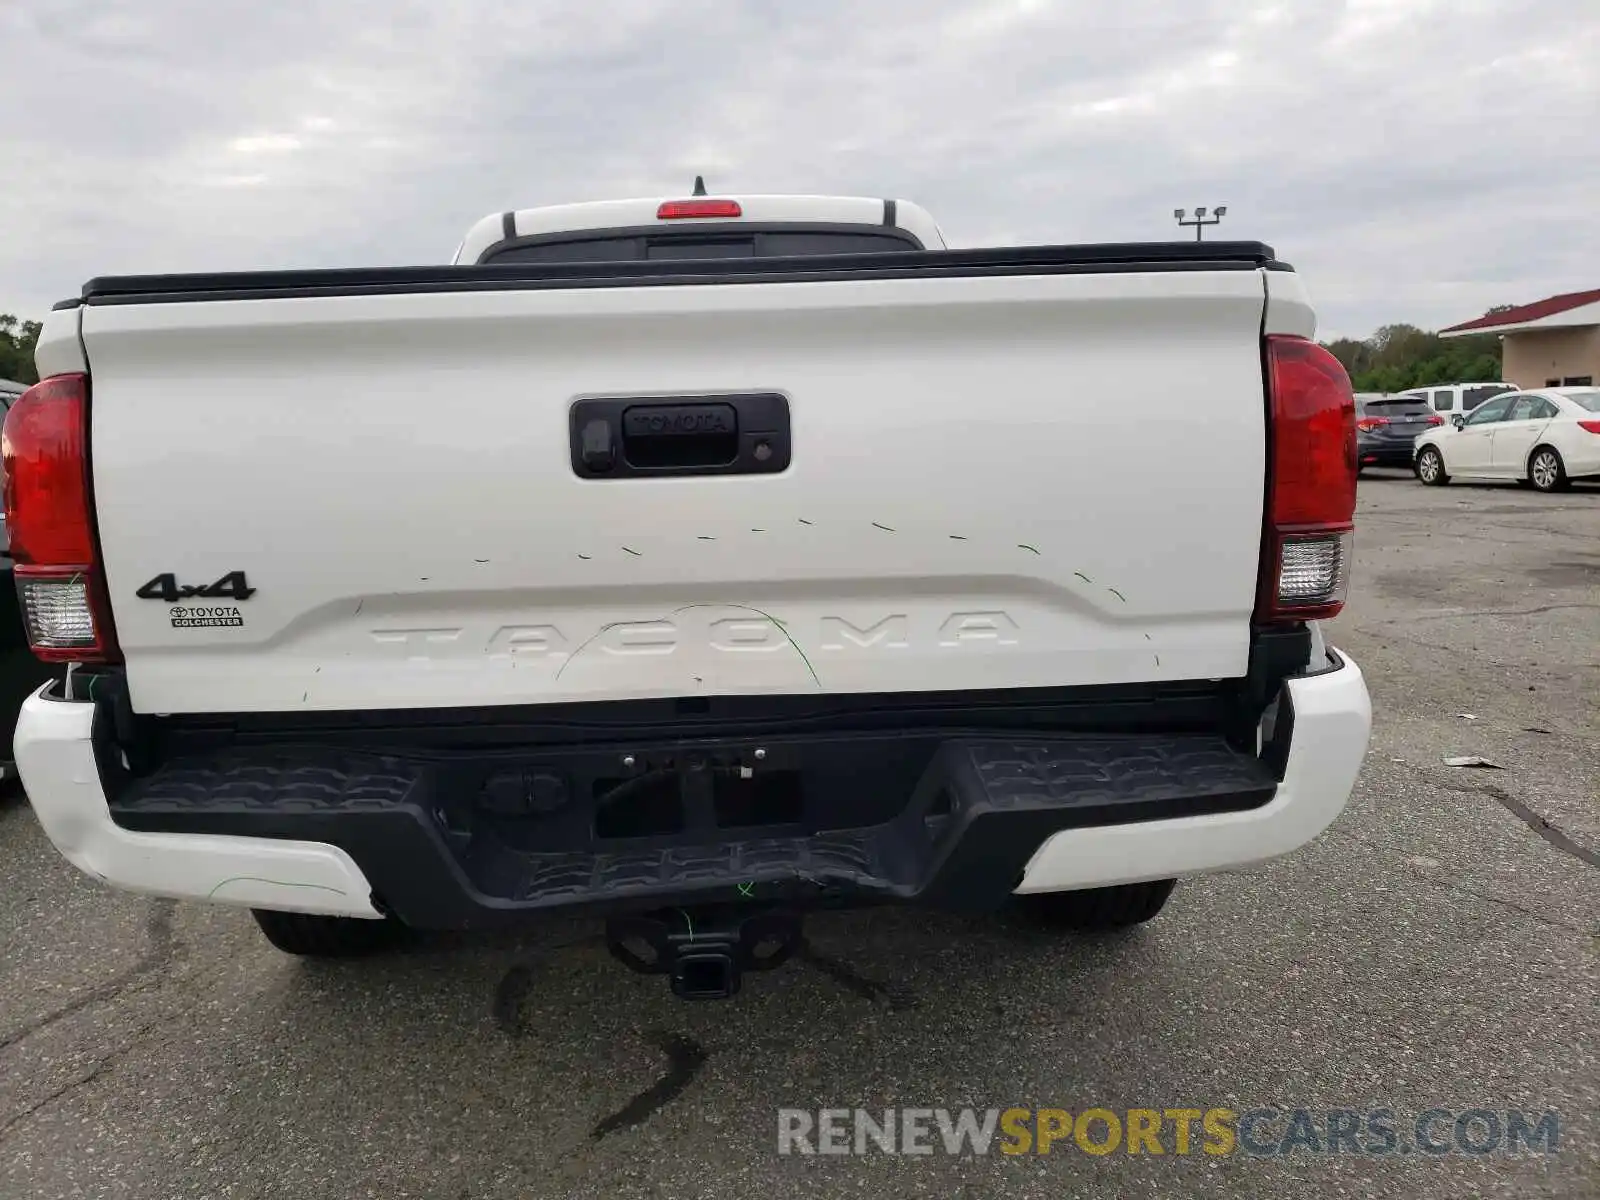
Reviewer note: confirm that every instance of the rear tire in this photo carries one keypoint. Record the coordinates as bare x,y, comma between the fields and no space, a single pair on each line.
1099,909
330,937
1430,467
1546,470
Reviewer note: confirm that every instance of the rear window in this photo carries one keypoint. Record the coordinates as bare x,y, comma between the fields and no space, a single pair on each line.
701,243
1397,406
779,244
700,248
584,250
1471,397
1589,400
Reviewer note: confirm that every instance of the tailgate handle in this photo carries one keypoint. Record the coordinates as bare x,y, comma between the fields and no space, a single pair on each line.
689,435
680,435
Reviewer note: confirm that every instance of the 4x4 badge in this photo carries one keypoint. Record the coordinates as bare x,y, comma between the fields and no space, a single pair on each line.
167,588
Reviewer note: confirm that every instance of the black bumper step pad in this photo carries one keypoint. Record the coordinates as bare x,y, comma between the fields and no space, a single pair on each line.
979,811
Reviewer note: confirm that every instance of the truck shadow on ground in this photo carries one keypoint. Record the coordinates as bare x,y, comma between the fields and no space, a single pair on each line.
549,1031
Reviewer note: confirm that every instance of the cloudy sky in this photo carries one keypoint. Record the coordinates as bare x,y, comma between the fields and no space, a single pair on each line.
1418,160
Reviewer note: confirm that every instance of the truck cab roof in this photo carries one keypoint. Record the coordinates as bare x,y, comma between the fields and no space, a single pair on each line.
699,227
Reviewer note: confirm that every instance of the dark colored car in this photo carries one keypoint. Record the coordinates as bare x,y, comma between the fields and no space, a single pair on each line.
1386,427
9,391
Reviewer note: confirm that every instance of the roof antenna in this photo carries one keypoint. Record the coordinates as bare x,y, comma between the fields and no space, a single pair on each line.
699,185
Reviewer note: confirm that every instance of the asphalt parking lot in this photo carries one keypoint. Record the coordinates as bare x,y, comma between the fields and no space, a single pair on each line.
1435,949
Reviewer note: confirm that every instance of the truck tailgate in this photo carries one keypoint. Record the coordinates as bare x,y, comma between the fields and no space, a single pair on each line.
997,481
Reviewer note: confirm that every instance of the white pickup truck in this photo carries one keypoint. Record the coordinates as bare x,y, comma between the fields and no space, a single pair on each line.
697,562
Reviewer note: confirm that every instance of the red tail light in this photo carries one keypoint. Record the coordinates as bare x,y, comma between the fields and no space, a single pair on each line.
1435,419
677,210
49,516
1311,483
1366,424
1589,426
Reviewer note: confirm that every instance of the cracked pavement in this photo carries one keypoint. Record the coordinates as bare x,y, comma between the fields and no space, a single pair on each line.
1437,947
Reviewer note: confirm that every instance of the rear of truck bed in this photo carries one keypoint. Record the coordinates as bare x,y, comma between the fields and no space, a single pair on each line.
455,593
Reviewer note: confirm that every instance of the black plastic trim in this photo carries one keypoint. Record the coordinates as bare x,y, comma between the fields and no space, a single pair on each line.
1336,662
1199,706
1276,653
965,815
691,231
1275,751
508,226
1021,260
889,213
412,818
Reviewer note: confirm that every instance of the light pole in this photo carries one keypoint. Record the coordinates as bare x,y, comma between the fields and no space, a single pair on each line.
1200,220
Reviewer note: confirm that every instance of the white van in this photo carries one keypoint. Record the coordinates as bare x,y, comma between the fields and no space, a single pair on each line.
1452,399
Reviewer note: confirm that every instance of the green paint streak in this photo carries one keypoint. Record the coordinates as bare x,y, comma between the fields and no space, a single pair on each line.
1083,577
584,645
1117,594
319,887
747,889
777,624
788,637
1028,548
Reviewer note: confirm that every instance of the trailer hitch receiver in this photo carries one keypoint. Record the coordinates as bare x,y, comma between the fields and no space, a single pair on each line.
704,950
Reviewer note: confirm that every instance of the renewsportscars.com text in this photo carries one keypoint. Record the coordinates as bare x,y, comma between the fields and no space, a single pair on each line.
1263,1132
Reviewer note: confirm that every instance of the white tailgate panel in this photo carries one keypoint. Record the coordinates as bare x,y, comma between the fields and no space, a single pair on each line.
997,482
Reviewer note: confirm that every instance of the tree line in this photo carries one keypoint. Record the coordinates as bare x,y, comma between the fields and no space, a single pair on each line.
1399,357
17,339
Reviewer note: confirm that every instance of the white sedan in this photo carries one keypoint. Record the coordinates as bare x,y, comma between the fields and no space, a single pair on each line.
1545,438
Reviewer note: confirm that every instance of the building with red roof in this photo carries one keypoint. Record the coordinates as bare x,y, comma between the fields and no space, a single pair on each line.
1553,342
